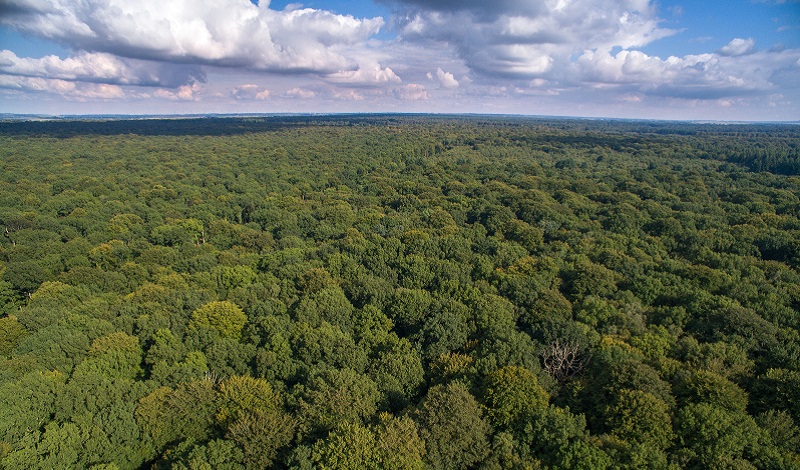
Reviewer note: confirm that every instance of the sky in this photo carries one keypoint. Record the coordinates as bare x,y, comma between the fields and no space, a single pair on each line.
732,60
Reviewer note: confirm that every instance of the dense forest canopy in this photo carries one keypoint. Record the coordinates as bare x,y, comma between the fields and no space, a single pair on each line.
399,291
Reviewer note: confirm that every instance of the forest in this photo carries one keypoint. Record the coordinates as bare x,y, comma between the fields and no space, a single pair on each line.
399,292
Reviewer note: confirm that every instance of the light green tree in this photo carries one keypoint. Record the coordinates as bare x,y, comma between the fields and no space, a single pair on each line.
225,317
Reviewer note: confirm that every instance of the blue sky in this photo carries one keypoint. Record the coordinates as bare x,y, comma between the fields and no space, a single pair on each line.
732,60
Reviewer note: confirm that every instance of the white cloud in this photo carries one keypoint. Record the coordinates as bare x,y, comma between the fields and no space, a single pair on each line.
300,93
513,39
701,76
183,93
18,83
374,75
68,89
738,46
99,68
348,95
412,92
503,55
446,79
250,92
536,91
101,91
229,33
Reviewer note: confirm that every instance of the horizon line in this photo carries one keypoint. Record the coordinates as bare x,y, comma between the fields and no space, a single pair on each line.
124,116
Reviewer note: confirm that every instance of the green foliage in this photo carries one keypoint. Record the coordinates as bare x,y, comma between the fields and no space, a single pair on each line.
240,395
640,417
58,446
253,414
708,387
231,277
561,440
397,371
225,317
513,396
588,278
106,421
329,305
25,276
51,302
713,437
409,306
11,332
614,370
451,424
520,293
261,434
336,396
393,443
28,403
219,454
398,443
326,346
65,344
779,389
781,432
117,355
445,330
168,415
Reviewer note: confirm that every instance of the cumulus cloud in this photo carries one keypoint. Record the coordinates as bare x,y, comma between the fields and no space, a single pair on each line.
513,39
67,89
553,47
100,68
738,46
501,51
701,76
412,92
374,75
228,33
182,93
250,92
10,82
300,93
348,95
533,90
446,79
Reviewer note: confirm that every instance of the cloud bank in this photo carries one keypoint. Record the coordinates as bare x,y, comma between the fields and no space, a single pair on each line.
227,33
549,52
100,68
527,39
560,45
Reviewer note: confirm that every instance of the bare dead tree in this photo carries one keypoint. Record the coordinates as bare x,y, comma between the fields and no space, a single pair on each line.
214,378
7,234
200,239
563,361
